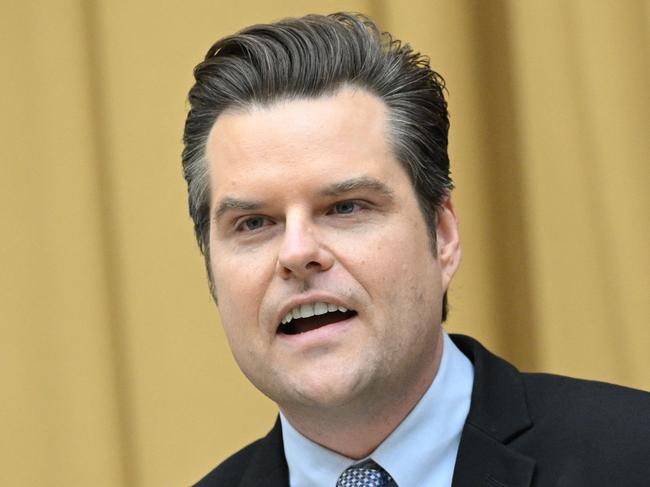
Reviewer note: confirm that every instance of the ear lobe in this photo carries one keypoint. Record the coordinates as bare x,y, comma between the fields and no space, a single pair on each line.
447,241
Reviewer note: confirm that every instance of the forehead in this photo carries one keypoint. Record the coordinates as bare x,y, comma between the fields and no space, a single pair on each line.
302,140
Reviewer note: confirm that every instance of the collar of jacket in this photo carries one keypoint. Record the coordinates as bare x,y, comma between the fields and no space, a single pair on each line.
268,466
498,415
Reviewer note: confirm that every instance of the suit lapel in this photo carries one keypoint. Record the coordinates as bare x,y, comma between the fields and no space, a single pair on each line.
497,416
268,466
484,462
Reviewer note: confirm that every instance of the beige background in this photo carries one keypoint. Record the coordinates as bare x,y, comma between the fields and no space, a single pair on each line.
114,369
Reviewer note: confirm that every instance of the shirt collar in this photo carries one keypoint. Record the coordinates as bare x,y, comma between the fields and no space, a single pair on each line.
420,451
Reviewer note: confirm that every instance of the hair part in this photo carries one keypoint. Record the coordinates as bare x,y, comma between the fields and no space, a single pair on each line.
310,57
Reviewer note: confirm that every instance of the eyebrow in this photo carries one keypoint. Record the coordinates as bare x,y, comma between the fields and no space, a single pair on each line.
230,203
355,184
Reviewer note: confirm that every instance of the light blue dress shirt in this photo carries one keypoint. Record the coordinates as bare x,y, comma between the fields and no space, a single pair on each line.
421,451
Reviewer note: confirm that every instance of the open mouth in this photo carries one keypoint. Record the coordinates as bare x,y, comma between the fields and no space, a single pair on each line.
308,317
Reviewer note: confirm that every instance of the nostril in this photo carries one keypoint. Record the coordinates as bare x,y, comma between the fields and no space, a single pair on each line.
300,270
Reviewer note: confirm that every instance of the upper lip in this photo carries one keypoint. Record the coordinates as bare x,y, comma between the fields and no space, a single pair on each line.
309,298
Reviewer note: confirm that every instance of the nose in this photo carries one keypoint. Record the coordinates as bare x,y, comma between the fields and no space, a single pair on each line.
302,253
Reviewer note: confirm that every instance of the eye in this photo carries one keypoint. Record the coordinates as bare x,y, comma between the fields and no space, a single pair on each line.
251,224
345,207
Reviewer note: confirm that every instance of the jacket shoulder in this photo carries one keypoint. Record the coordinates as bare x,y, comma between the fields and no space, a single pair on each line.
587,430
585,402
577,432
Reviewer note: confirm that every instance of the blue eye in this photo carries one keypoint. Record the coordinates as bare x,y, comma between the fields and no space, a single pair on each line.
345,207
252,223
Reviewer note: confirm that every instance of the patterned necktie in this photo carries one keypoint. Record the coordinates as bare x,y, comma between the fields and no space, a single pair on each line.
366,474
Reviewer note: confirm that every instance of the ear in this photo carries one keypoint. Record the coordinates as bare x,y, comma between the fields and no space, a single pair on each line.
447,241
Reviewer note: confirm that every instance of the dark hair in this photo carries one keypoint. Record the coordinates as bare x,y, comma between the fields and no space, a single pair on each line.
313,56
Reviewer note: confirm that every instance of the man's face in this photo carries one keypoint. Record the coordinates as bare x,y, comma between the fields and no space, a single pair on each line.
312,213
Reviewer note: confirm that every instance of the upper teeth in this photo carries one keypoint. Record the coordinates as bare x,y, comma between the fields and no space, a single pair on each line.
311,309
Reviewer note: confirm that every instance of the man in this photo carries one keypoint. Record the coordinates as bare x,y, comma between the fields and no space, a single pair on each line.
318,175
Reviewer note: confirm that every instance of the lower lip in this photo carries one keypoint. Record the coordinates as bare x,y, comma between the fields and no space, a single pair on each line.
319,335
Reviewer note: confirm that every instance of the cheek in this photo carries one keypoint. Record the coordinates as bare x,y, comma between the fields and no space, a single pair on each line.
240,274
240,283
404,273
390,258
232,290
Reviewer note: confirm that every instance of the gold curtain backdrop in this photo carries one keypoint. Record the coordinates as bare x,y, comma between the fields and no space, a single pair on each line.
115,371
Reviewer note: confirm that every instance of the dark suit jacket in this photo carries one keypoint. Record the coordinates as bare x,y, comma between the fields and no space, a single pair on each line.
523,430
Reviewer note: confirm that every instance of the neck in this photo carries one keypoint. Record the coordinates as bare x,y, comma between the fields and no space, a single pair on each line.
356,429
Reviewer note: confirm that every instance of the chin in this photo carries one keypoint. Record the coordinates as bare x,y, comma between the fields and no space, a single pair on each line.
324,391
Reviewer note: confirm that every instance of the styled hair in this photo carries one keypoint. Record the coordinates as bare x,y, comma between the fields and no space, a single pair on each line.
310,57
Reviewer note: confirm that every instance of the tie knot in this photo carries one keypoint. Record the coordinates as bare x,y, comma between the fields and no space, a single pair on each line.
366,474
